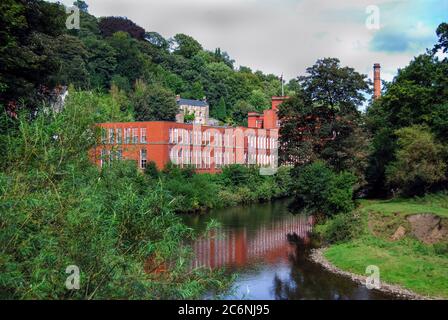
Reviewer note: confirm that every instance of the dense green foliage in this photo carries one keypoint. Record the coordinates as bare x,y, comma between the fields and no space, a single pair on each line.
320,189
58,209
153,102
341,228
398,145
322,121
419,161
235,185
418,95
38,52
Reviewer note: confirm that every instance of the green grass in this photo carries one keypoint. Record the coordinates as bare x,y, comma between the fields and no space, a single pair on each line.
399,263
437,204
408,262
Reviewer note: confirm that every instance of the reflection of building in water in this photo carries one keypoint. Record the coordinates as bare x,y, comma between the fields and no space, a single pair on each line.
235,248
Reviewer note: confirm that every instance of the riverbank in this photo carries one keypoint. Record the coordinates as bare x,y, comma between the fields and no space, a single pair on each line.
235,185
405,238
318,256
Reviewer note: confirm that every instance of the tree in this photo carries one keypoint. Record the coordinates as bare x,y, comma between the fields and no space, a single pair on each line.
304,131
27,62
189,117
220,111
197,91
153,103
101,62
419,161
185,45
322,121
131,63
157,40
82,5
71,55
442,33
222,56
335,87
259,99
320,189
240,111
417,96
111,25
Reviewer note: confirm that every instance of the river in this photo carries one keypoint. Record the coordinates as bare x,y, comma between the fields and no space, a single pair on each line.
268,248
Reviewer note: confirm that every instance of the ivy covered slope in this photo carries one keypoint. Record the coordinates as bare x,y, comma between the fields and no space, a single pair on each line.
57,209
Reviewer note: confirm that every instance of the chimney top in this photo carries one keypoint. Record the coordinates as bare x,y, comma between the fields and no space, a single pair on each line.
376,81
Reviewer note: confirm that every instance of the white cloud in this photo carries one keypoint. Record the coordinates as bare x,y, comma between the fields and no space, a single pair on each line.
275,36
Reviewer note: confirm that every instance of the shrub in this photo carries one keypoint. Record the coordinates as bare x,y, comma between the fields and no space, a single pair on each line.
419,161
342,227
235,175
320,189
58,209
151,170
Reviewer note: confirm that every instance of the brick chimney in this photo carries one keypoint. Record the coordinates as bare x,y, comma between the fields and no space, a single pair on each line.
376,81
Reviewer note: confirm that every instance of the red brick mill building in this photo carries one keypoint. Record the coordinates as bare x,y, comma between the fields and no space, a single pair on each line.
206,148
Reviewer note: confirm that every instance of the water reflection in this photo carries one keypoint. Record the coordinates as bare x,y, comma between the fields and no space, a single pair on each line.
237,247
269,248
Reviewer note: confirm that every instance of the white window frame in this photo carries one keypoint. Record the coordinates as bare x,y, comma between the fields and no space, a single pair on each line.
143,138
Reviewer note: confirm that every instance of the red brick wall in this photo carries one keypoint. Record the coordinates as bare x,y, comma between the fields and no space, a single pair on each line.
158,144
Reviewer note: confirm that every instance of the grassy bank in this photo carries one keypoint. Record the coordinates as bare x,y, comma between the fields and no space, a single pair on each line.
409,262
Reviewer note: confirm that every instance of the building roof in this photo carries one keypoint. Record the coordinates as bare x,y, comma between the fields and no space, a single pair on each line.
190,102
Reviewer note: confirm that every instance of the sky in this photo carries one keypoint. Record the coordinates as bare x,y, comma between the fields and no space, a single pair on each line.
287,36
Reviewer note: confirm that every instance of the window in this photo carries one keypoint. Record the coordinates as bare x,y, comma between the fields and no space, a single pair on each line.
143,135
127,135
217,159
111,136
103,136
173,155
198,159
103,158
119,154
134,135
119,136
143,158
207,159
176,136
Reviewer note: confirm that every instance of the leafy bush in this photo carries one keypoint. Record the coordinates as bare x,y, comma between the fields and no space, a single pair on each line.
320,189
236,184
419,161
342,227
151,170
57,209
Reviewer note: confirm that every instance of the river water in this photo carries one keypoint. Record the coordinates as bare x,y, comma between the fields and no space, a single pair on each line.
268,248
